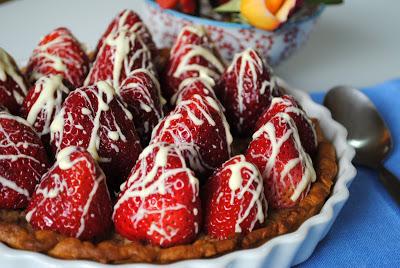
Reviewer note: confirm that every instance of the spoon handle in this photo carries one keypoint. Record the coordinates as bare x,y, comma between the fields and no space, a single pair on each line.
391,183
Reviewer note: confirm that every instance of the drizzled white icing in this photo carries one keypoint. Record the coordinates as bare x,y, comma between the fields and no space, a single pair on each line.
292,108
185,55
276,143
13,186
182,135
250,72
13,151
238,166
130,21
151,177
8,68
137,84
48,103
60,185
104,94
128,52
51,55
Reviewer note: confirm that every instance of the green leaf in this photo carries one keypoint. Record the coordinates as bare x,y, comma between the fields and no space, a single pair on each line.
229,7
326,2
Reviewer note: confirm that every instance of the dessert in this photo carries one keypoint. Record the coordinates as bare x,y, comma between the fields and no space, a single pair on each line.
12,84
192,55
94,118
141,92
42,103
122,52
233,199
186,195
159,203
23,161
287,104
245,90
72,197
199,128
59,52
286,168
129,20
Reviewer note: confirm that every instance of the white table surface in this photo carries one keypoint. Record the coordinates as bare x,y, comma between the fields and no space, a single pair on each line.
357,43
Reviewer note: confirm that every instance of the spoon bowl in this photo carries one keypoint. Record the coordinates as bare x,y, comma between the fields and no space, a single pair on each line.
367,132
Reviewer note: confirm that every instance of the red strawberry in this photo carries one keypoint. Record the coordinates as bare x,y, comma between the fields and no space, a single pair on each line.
141,92
43,101
190,87
160,201
167,3
287,104
286,169
191,56
188,6
198,127
128,19
23,161
245,90
234,199
12,84
59,53
122,52
72,197
93,118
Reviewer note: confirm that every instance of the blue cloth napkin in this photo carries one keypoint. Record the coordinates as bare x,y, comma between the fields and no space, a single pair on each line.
367,231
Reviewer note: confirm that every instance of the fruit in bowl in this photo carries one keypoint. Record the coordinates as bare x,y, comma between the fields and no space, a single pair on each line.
277,28
189,190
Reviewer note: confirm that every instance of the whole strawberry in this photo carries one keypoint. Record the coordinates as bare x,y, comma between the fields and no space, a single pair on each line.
286,168
288,104
72,197
95,119
141,92
42,103
12,84
191,56
245,90
121,53
199,128
130,20
192,86
59,53
23,161
159,203
234,200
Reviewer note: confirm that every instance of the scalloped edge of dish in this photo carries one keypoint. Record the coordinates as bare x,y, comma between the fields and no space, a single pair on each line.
282,251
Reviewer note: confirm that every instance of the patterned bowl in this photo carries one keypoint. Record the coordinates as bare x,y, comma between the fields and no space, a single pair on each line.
231,38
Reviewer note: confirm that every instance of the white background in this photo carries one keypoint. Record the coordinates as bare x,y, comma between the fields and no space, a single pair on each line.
357,43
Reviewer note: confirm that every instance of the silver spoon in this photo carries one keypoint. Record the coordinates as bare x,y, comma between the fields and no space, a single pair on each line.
368,133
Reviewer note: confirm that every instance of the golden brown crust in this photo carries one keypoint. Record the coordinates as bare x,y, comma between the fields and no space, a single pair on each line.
16,232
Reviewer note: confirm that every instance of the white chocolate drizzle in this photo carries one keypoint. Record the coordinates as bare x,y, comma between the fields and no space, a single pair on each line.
61,186
128,52
182,136
152,176
104,93
304,159
48,103
18,151
50,55
251,68
8,68
253,186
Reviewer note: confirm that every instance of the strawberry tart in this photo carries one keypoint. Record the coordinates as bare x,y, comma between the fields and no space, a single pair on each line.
95,164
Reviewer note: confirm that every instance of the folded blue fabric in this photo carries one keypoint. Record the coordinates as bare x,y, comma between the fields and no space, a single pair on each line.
367,231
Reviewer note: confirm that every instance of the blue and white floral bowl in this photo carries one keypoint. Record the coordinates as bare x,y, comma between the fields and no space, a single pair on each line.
231,38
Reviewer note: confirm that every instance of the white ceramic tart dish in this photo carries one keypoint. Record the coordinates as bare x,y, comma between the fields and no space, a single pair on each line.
282,251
